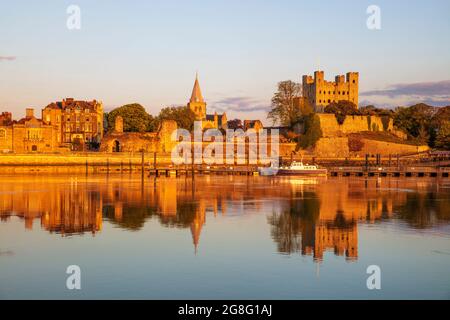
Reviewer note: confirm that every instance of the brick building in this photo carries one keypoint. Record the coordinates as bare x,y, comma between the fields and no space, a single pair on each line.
78,122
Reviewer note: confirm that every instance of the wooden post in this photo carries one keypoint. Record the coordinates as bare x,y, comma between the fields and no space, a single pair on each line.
142,164
87,170
192,163
107,165
154,160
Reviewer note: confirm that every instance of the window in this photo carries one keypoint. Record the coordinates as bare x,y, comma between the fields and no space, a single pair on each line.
2,133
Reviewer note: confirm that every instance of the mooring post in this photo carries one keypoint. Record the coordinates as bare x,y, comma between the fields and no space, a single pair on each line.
107,165
192,162
87,167
142,163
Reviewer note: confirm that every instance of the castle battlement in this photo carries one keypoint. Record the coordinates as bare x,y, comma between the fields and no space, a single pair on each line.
320,93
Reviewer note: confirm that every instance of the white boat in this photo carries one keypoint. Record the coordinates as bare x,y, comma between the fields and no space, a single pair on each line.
295,169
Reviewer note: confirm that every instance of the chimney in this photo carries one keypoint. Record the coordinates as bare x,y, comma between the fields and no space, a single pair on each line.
29,112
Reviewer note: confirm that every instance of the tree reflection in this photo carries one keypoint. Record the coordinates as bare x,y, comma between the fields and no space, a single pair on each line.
424,210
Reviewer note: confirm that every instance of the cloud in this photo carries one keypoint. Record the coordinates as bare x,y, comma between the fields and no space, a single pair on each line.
7,58
240,104
433,93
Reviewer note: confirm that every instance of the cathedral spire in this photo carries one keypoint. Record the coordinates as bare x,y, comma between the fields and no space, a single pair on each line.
196,92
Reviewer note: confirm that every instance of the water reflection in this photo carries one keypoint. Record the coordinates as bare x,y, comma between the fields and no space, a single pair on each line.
305,216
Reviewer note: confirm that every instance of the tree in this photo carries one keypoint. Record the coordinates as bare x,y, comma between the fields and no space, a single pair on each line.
342,109
235,124
371,110
443,136
183,116
416,121
313,132
135,118
284,108
441,127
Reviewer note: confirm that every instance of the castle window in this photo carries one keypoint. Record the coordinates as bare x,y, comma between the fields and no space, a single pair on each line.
353,81
2,134
329,100
339,92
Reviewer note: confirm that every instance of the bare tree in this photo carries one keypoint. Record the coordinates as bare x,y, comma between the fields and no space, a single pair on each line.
285,110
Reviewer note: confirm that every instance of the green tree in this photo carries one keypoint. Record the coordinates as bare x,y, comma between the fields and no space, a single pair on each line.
135,118
414,120
443,136
313,132
285,109
441,128
342,109
183,116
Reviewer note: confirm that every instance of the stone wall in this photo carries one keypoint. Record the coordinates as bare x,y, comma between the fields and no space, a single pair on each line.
374,147
339,147
332,147
352,124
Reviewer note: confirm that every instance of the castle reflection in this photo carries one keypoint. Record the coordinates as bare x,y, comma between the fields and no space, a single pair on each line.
305,216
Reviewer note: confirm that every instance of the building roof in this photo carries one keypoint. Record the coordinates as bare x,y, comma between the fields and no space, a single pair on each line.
72,103
220,118
196,92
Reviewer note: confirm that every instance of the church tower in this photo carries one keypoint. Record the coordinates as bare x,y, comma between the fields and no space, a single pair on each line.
196,103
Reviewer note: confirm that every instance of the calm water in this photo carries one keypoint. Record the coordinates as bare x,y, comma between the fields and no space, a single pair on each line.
223,237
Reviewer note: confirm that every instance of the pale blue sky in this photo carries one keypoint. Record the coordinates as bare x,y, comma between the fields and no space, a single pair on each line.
149,51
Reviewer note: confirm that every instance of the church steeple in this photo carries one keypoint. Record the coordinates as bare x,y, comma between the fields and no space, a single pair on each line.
196,92
196,103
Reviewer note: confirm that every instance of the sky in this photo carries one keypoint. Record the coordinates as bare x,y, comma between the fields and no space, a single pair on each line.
148,52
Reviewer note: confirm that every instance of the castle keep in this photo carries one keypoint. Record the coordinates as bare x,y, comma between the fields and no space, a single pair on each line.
319,93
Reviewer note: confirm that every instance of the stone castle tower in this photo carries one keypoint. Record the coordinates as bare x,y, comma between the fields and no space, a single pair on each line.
196,103
319,93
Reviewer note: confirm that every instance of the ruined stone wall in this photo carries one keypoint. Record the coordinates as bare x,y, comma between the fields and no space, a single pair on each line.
353,124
